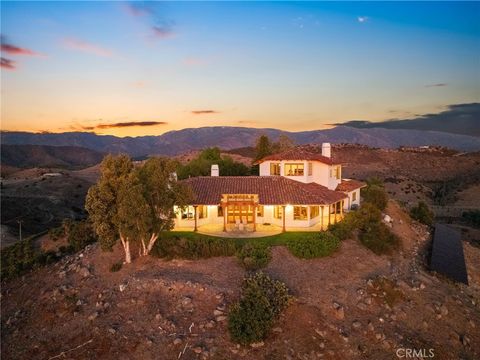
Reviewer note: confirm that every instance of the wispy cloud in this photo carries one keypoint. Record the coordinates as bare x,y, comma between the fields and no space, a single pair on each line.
130,124
363,19
436,85
160,26
87,47
248,122
12,49
203,112
7,64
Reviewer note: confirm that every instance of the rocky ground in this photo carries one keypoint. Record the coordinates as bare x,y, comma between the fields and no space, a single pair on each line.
351,305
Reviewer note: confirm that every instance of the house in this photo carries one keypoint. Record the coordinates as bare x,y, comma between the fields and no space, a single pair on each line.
295,190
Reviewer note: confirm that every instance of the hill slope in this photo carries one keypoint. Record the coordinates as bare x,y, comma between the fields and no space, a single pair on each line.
176,142
24,156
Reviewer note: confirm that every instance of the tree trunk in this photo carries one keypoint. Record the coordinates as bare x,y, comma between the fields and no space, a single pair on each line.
151,242
126,248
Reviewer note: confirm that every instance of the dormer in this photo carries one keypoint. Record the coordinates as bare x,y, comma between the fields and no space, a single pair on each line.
303,166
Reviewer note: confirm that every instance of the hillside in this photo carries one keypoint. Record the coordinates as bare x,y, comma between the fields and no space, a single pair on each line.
26,156
180,141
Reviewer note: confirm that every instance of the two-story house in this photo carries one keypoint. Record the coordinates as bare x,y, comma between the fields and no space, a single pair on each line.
295,189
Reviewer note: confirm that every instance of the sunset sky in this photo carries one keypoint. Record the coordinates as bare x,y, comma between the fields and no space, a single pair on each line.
143,68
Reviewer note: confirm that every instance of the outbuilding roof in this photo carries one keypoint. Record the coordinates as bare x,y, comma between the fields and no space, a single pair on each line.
298,155
271,190
348,185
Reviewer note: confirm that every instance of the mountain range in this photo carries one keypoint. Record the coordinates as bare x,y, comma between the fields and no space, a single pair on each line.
179,141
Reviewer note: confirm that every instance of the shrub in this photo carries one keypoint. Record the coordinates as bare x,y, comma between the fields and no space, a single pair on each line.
254,255
56,233
342,230
313,245
375,194
422,213
116,267
18,258
472,217
192,247
80,234
378,238
262,301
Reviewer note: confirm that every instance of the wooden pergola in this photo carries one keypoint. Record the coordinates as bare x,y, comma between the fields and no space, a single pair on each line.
239,200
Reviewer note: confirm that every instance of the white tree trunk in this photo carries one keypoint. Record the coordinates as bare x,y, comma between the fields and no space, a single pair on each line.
151,242
126,248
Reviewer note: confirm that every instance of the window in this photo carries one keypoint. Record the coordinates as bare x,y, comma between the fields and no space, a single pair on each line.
310,169
188,212
294,169
274,169
300,213
354,196
314,211
260,211
277,212
219,211
202,211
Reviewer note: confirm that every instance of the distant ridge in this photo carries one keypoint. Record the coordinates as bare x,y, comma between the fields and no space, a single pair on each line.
24,156
179,141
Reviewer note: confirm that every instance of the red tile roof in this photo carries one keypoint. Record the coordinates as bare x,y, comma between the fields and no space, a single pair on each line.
271,190
350,185
299,155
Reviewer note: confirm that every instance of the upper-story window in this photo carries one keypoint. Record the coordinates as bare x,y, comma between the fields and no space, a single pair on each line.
310,169
336,172
294,169
274,168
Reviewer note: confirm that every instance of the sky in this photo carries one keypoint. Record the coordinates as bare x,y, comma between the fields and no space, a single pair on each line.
144,68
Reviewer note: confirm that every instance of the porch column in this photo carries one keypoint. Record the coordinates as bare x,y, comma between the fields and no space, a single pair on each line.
321,207
224,209
283,217
195,215
335,214
329,214
341,209
254,217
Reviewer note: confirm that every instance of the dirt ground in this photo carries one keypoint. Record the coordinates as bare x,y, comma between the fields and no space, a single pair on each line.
351,305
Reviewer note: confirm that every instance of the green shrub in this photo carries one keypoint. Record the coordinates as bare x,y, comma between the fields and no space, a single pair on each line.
18,258
56,233
472,217
313,245
80,234
262,301
375,194
367,214
422,213
254,255
116,267
342,230
192,246
378,238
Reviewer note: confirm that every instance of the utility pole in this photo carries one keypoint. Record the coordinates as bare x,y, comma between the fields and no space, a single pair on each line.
20,228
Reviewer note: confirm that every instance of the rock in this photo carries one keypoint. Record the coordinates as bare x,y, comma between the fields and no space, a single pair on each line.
186,301
79,302
387,219
210,324
112,330
321,333
370,326
84,272
93,316
177,341
257,344
277,330
221,318
386,345
217,312
122,287
443,310
362,306
339,312
158,317
356,324
197,349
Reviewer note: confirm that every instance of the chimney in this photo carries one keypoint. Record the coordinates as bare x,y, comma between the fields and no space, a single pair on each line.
215,171
326,150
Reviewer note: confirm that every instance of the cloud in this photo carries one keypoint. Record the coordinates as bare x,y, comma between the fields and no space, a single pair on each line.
203,112
130,124
193,61
363,19
436,85
84,46
7,64
16,50
248,122
160,27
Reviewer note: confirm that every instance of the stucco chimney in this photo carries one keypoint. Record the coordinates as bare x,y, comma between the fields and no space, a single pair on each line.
215,171
326,150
